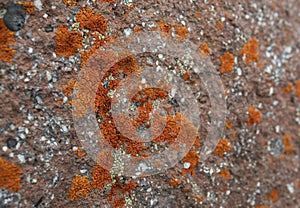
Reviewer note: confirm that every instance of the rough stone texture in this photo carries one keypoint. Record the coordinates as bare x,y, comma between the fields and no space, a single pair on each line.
36,114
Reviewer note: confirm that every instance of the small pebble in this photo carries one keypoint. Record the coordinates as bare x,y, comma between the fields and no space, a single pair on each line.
11,143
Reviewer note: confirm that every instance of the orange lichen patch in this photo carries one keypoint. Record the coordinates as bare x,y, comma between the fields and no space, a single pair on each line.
71,2
227,15
6,38
288,88
181,31
222,147
193,158
297,89
228,125
79,152
227,62
299,184
99,177
175,182
197,141
81,187
220,25
171,130
254,116
29,7
198,198
10,176
186,76
137,30
119,202
67,43
68,88
287,144
198,15
119,189
164,27
89,20
250,49
204,50
273,196
225,174
263,206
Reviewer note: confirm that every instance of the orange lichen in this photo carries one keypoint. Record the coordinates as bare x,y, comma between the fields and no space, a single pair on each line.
181,31
227,15
164,27
193,158
68,88
198,15
250,49
198,198
29,7
263,206
99,177
204,50
79,152
175,182
297,89
227,62
10,176
119,202
6,38
228,125
287,144
273,196
225,174
220,25
299,184
89,20
81,187
254,116
288,88
67,42
137,30
119,189
71,2
222,147
197,141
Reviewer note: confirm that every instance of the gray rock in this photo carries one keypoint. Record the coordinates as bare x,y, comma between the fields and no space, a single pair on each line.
14,19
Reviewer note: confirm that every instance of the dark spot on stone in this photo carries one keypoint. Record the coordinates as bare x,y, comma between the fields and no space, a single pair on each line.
11,142
49,28
11,86
39,201
14,19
